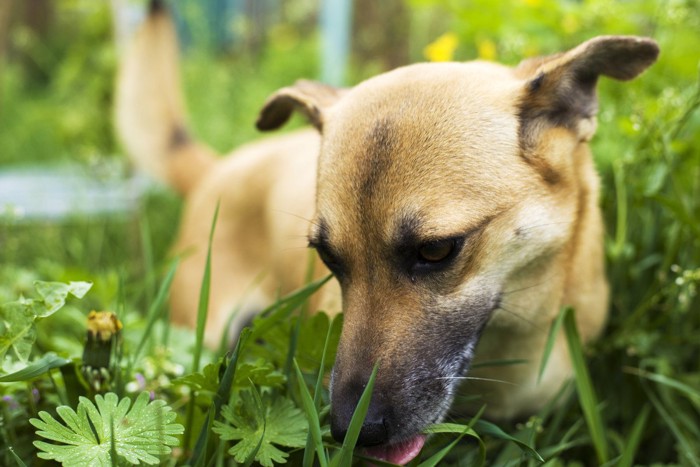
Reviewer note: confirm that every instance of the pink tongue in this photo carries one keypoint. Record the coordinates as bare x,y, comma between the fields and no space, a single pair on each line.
400,453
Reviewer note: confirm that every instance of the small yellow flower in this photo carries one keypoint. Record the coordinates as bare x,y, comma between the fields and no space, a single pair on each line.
442,49
486,49
103,324
533,3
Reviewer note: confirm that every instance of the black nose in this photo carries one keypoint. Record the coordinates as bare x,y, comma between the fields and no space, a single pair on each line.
374,429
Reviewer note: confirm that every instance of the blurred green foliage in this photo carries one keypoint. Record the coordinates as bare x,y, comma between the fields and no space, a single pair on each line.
59,108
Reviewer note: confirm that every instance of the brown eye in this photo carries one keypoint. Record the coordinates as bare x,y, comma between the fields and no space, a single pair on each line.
434,252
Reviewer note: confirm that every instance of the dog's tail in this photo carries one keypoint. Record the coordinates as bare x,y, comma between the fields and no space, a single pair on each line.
150,114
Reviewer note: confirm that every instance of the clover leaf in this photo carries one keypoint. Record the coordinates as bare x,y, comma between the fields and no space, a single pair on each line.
91,435
259,425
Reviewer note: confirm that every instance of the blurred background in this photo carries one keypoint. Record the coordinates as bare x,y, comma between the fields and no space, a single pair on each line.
71,208
61,166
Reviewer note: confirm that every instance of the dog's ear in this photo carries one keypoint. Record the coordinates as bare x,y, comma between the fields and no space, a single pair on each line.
560,89
308,97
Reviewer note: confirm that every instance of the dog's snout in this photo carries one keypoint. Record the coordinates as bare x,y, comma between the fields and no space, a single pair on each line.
373,431
374,428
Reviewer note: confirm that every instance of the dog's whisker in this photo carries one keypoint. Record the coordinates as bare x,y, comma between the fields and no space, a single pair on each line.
298,216
293,248
537,226
476,378
520,316
528,287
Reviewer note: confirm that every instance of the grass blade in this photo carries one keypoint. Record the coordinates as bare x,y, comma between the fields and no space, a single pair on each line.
226,384
690,392
584,387
18,460
551,339
148,263
436,458
344,457
153,314
634,439
308,452
203,308
303,312
487,428
685,447
199,457
314,423
223,394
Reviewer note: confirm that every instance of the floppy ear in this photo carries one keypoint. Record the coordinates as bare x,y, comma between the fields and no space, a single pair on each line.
308,97
560,89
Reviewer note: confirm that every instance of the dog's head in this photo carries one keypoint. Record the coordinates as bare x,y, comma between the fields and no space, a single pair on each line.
439,187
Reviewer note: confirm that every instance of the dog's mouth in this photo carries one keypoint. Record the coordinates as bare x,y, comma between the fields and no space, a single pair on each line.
400,453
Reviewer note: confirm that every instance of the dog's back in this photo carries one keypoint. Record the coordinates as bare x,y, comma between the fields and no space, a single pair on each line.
265,189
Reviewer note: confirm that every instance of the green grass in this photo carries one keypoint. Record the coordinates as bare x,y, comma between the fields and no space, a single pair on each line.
636,395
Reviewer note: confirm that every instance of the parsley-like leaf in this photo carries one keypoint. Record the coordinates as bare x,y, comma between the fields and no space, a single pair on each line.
141,435
260,373
283,425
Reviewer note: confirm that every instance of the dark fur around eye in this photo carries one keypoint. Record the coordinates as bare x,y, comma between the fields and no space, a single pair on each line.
329,259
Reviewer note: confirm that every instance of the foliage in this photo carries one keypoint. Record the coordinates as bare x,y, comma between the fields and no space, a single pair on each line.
640,400
95,433
258,423
17,328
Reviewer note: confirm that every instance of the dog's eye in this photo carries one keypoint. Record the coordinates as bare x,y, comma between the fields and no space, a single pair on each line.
435,252
328,259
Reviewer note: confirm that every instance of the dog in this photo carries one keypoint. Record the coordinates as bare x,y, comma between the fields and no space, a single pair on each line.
456,204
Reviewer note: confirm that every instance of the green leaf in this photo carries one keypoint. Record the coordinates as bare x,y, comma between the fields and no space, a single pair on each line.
206,380
141,434
54,294
17,328
37,368
260,373
281,424
453,428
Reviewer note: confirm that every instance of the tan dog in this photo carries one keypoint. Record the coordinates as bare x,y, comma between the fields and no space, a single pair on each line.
456,204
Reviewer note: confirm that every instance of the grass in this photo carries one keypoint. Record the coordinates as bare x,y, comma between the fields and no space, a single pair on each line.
636,395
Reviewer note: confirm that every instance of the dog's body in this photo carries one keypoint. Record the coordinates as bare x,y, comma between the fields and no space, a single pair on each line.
456,204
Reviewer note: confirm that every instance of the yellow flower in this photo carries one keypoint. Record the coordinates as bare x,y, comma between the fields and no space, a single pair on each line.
486,49
442,49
